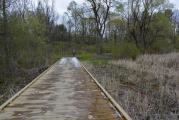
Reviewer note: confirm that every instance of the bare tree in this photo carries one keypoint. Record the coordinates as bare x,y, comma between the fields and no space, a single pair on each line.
101,10
140,16
73,9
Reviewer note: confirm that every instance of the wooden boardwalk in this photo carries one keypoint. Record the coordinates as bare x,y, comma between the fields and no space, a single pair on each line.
64,92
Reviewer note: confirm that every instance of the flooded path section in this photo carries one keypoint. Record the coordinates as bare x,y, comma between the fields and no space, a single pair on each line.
65,92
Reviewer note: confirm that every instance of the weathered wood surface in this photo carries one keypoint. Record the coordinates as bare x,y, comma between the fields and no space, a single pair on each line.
65,92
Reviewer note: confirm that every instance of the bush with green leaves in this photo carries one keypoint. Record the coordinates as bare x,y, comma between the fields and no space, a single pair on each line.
161,46
125,50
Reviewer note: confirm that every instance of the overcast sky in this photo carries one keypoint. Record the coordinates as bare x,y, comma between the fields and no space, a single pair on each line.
176,3
61,5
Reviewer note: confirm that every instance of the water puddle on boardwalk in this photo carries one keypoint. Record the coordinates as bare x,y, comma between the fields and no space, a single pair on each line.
63,61
72,60
75,62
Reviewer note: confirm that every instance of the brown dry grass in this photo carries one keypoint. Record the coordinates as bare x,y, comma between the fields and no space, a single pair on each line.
147,88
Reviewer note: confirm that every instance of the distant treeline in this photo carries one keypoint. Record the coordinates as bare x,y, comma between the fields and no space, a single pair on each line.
123,29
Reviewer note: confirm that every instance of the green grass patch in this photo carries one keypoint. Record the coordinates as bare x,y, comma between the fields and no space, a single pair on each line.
90,57
85,56
99,62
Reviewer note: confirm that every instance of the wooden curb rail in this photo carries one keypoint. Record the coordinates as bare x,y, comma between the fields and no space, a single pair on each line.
124,115
23,89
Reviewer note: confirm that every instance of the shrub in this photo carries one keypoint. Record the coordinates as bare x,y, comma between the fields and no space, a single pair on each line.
107,47
85,56
125,50
177,43
89,48
161,46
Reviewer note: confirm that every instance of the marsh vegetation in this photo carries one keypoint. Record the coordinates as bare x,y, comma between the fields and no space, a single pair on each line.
147,88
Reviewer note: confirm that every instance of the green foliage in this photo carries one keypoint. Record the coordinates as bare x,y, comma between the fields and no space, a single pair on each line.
85,56
28,40
119,6
161,28
161,46
107,47
125,50
99,62
82,48
177,43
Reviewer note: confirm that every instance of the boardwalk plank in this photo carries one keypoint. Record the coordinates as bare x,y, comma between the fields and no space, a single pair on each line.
65,92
